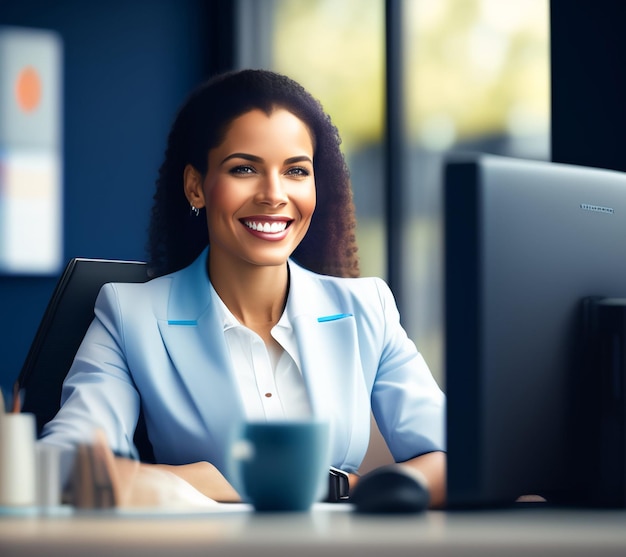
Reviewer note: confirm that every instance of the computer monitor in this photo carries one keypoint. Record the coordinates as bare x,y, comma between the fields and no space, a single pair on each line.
525,243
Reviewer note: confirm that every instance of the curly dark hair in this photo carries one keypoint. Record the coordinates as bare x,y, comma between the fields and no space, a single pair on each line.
176,238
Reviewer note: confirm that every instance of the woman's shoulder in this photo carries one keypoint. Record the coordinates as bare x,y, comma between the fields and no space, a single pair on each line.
348,282
152,295
351,286
143,288
182,294
192,273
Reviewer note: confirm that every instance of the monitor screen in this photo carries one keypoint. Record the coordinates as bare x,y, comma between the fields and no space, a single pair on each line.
525,243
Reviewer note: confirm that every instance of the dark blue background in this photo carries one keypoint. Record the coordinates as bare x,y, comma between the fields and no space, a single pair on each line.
128,65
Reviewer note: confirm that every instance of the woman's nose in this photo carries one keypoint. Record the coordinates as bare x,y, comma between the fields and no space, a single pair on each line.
272,190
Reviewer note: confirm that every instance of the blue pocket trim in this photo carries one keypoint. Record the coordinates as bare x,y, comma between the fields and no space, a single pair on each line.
333,317
182,322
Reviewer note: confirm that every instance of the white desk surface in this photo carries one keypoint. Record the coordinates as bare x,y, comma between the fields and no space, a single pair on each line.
326,530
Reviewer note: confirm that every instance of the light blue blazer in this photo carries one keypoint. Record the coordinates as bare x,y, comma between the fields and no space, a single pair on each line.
161,345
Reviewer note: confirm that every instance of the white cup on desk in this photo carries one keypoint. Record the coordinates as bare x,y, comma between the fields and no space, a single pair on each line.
49,489
18,467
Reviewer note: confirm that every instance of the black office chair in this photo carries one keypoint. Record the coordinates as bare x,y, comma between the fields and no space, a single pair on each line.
64,324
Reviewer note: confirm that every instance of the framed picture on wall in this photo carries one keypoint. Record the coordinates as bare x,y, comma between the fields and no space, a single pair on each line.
31,190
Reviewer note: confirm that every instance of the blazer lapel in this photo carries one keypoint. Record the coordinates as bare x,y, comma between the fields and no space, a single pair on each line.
192,334
327,341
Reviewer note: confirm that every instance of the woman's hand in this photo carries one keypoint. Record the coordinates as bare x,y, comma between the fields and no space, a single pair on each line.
135,484
206,478
353,479
432,467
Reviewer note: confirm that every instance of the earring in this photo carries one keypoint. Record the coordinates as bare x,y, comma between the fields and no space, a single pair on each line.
194,210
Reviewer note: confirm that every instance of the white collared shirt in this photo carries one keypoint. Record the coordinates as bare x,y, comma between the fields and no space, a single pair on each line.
270,384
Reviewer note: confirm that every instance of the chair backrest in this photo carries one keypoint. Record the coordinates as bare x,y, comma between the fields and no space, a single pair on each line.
64,324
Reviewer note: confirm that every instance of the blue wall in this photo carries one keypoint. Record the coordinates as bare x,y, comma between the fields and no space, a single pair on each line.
128,65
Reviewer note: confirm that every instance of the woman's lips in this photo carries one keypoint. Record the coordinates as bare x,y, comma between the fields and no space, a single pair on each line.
267,229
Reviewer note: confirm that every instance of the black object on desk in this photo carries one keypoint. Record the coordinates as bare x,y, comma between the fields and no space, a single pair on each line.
390,489
338,486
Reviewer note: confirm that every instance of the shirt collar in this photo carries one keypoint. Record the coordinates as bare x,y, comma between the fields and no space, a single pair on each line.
229,321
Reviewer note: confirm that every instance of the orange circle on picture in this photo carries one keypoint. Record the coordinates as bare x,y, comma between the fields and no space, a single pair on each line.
28,89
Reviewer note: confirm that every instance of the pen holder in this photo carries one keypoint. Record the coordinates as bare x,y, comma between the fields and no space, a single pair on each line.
18,477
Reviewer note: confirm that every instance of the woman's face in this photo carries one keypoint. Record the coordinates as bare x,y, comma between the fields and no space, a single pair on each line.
259,189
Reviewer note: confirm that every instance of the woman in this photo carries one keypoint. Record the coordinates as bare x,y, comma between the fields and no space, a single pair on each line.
255,313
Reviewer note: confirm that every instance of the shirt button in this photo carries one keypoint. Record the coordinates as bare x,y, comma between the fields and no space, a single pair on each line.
268,395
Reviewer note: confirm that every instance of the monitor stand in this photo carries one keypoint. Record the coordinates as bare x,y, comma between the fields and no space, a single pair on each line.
598,443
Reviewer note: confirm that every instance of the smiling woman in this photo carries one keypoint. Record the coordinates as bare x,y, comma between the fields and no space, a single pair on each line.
176,240
259,192
259,315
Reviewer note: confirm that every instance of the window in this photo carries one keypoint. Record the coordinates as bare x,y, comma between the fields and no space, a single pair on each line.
477,79
476,76
335,50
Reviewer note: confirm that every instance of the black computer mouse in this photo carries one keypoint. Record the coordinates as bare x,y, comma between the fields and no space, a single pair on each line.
390,489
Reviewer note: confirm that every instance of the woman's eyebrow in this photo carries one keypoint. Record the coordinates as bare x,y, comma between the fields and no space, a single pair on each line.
254,158
301,158
245,156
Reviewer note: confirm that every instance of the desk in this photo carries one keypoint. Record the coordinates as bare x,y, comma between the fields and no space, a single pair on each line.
323,531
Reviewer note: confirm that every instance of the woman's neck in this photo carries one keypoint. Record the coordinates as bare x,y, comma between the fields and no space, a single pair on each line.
254,294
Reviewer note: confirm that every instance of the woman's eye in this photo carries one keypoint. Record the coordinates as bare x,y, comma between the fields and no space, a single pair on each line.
242,169
298,171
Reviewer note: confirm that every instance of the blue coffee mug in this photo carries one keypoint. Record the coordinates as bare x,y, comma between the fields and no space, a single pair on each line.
282,466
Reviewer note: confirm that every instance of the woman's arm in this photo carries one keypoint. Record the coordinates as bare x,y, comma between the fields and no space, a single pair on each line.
408,404
432,466
140,484
206,478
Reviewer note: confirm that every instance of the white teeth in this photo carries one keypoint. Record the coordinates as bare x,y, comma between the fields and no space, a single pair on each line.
266,227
